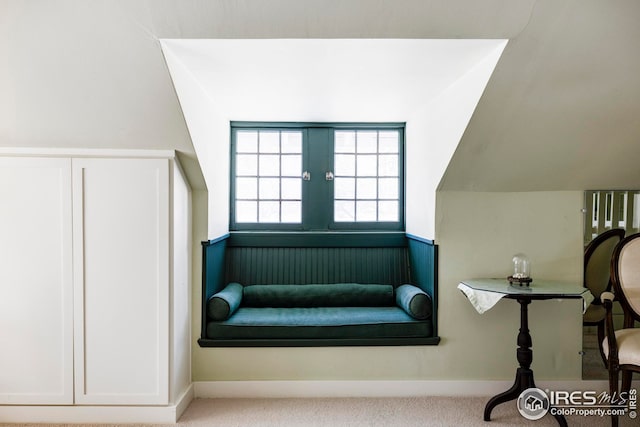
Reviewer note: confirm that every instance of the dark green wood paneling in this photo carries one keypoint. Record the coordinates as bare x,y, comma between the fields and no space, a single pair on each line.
336,125
254,265
341,239
423,263
317,204
213,256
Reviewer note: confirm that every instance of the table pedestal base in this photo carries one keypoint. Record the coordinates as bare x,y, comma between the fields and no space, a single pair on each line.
524,380
524,374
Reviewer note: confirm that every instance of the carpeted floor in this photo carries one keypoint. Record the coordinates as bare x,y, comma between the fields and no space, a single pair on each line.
365,412
401,412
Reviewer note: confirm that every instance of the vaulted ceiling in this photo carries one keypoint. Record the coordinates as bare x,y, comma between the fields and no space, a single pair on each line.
561,110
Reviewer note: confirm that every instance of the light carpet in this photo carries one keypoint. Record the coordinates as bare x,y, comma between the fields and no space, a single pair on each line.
356,412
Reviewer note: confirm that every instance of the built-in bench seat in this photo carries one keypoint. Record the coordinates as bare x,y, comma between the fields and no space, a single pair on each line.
277,290
319,311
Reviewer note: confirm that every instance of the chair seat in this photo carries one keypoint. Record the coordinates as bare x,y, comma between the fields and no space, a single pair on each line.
595,313
628,346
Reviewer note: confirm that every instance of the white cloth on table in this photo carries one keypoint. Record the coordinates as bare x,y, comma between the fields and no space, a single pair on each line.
481,300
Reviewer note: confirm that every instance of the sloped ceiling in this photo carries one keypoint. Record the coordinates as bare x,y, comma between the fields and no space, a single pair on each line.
560,111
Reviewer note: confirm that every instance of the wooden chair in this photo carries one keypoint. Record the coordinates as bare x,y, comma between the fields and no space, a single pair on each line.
622,347
597,278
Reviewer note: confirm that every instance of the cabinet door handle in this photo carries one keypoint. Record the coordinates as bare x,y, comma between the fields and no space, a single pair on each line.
328,176
306,176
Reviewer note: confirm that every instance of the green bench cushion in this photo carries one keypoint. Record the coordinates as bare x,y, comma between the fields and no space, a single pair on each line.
319,322
414,301
318,295
223,304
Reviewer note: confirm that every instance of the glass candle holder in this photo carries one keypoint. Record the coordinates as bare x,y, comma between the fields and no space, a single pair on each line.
521,270
521,266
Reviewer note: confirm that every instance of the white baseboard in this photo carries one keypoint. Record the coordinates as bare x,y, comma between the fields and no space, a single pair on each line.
320,389
84,414
183,401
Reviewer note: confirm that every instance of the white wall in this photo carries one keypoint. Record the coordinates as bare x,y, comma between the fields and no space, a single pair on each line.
209,129
478,234
432,136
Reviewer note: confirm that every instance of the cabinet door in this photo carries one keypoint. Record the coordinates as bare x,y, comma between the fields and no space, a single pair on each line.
36,300
121,279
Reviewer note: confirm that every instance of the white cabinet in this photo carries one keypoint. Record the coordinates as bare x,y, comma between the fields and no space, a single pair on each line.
121,280
94,281
36,293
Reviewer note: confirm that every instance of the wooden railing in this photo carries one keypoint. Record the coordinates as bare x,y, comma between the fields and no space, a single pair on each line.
607,209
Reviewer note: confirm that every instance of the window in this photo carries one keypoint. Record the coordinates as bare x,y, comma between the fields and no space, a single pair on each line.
317,177
366,187
268,167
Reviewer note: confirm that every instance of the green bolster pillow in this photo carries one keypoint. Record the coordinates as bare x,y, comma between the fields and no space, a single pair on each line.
224,303
414,301
318,295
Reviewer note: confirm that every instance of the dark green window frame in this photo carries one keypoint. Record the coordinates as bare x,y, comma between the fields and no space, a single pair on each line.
317,194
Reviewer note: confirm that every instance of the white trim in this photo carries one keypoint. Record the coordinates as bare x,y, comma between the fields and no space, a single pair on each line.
85,152
98,414
184,401
320,389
